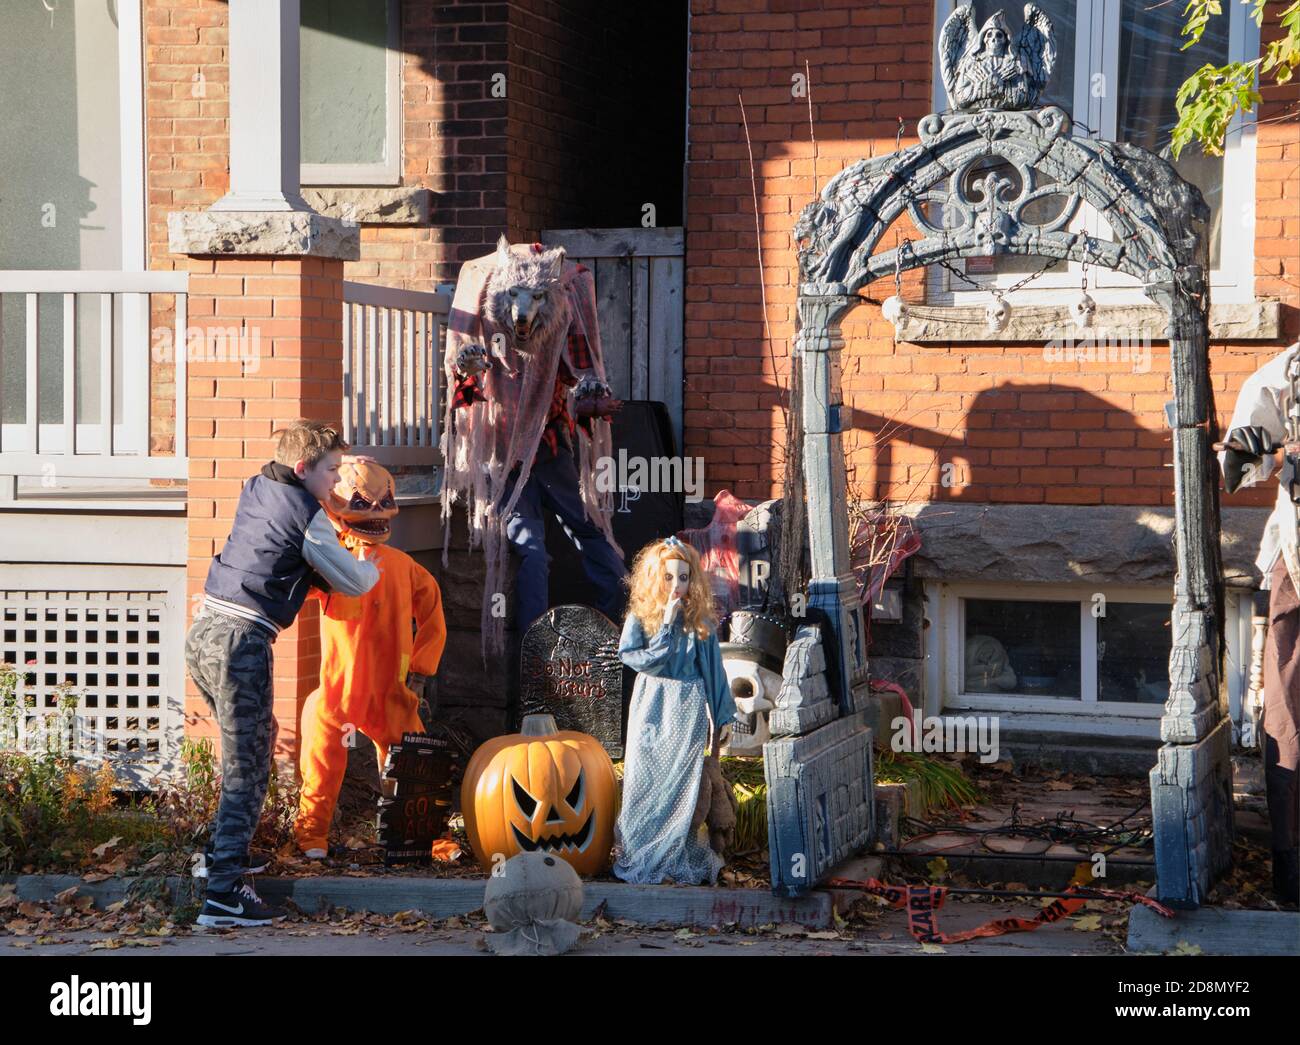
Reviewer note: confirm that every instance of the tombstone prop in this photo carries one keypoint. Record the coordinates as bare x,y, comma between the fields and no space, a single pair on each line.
570,669
423,768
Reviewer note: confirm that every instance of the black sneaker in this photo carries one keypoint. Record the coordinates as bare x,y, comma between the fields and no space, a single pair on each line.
240,906
255,863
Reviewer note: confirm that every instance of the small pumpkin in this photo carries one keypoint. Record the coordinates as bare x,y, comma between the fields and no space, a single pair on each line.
541,790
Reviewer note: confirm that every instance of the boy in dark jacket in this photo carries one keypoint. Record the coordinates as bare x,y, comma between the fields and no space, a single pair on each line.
281,543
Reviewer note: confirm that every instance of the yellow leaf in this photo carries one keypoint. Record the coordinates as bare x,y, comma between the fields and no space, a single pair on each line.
1088,923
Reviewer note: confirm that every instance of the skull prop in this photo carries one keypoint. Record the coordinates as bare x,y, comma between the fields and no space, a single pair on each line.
363,501
752,659
997,314
1084,310
754,689
895,310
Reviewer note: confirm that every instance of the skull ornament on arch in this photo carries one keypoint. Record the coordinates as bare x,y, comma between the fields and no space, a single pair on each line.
1084,310
997,314
364,500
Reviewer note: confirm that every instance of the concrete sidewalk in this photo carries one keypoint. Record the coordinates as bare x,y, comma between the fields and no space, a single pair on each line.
446,897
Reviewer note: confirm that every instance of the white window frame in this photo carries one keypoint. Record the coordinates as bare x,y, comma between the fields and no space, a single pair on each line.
1098,32
131,341
389,170
945,660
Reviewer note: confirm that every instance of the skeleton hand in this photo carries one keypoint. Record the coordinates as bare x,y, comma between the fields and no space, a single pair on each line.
724,735
472,360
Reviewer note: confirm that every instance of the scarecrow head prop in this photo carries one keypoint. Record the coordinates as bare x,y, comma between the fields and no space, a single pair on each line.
364,500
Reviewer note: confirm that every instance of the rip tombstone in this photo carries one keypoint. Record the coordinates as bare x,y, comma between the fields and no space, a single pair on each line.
422,767
570,669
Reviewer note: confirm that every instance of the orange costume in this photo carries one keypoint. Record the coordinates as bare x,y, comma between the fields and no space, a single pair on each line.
367,651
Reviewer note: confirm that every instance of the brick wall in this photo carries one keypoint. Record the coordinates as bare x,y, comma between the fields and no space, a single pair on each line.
1013,427
291,312
520,163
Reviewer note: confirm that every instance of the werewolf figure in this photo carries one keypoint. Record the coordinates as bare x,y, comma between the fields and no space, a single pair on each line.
526,424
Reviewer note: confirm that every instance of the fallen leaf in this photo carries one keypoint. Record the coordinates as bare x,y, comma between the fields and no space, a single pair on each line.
101,851
1088,923
1186,948
932,948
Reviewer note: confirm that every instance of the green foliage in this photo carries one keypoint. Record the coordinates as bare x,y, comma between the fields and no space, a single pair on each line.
1208,100
58,814
939,784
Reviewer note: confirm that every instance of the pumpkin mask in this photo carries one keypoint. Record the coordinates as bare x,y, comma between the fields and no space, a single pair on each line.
363,501
541,790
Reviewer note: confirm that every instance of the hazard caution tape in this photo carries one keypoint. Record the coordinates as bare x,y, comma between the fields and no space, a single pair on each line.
922,903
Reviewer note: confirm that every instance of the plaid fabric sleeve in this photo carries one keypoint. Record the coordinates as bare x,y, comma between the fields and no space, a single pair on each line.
579,350
467,391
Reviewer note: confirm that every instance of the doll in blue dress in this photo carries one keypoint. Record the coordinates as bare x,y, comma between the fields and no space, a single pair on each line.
680,701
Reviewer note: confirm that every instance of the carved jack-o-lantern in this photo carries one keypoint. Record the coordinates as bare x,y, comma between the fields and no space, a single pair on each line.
540,790
363,501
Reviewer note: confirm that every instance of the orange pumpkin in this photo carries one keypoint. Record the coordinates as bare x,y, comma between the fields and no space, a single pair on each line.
541,790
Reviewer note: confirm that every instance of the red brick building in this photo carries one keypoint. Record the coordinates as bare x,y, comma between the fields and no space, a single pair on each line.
1037,483
419,132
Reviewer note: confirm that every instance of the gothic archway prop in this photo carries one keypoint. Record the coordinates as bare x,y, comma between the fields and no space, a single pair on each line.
1008,181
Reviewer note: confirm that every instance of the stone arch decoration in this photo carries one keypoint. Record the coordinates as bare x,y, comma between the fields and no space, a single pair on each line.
1008,180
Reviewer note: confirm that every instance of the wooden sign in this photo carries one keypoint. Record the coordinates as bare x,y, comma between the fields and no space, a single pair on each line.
570,670
422,767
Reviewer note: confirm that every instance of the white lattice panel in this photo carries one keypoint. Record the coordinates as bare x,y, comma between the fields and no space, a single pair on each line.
115,651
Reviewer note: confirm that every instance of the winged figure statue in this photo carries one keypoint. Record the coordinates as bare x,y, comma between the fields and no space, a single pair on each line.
985,70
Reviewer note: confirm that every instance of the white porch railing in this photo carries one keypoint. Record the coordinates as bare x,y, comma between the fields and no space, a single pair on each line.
116,445
392,368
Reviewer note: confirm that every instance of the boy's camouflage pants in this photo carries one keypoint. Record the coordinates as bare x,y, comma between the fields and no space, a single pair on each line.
230,662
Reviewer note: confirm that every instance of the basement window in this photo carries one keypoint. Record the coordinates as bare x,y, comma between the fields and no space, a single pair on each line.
1048,648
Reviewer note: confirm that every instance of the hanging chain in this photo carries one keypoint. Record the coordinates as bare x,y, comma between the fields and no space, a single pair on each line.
996,291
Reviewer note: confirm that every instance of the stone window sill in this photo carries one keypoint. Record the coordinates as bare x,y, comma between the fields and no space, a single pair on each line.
1254,321
371,205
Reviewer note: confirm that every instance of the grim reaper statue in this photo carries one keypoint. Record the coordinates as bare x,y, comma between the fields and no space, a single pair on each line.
984,71
525,379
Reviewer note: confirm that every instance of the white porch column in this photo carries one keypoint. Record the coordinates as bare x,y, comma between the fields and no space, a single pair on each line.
264,114
264,213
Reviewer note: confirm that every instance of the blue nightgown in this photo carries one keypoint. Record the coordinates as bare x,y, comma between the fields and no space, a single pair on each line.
680,685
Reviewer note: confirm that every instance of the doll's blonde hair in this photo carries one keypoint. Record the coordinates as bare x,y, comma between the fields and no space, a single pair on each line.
647,599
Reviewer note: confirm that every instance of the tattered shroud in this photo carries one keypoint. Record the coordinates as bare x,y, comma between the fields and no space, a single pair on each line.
483,441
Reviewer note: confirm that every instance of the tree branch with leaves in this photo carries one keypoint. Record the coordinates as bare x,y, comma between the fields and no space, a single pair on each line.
1211,97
